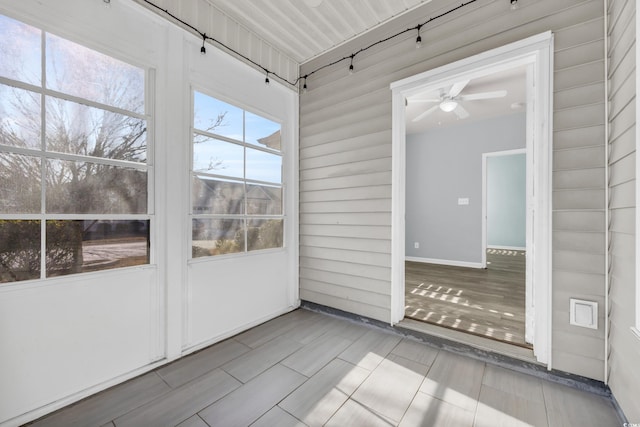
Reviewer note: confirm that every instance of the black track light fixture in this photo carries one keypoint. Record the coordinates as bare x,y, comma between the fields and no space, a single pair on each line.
351,69
419,38
514,4
304,86
266,80
203,49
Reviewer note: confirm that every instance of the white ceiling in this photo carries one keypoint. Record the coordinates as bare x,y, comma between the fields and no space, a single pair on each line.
512,80
304,29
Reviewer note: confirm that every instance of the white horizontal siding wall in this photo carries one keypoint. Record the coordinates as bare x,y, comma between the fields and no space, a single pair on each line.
345,152
218,25
624,347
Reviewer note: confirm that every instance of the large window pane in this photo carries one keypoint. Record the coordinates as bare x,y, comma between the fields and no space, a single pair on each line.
91,245
20,190
20,51
253,166
261,131
264,200
84,187
263,166
216,236
217,157
212,115
83,72
264,234
20,124
35,180
212,196
79,129
19,250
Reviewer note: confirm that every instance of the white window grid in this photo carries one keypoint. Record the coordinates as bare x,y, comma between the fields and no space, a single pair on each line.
244,217
42,153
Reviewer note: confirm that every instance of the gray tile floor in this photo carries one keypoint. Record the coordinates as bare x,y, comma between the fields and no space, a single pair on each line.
311,369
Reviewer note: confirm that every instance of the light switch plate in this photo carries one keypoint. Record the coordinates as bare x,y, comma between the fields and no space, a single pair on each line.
583,313
463,201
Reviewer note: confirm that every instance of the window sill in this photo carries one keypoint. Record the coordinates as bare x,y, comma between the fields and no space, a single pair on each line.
236,255
71,278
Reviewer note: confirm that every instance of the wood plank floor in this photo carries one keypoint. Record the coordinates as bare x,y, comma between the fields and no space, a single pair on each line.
486,302
312,369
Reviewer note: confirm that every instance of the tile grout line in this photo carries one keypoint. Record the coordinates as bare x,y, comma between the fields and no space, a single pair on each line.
197,414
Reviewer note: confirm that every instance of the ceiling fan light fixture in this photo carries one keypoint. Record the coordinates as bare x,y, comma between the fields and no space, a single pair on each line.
448,105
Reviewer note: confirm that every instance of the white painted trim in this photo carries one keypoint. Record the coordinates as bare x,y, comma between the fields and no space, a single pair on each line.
537,52
507,248
607,283
483,249
398,185
637,325
450,262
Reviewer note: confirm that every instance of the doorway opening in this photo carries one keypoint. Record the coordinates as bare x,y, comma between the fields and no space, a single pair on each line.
439,194
465,203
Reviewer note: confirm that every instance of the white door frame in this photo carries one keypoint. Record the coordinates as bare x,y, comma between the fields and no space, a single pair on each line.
537,53
529,326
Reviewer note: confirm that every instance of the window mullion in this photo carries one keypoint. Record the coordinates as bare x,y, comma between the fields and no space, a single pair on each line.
244,182
43,166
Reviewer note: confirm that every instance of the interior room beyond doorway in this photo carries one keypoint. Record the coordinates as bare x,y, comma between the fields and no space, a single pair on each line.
485,302
456,275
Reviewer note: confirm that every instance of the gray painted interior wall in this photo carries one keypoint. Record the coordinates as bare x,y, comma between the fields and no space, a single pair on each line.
624,346
345,157
507,201
444,165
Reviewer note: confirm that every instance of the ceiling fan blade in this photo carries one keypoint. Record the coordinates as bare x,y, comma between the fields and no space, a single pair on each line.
457,88
461,112
484,95
425,113
421,101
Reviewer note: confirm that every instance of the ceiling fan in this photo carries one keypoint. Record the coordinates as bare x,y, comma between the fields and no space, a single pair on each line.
450,102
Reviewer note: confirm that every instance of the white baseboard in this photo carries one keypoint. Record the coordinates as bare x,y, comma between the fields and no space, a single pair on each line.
507,248
445,262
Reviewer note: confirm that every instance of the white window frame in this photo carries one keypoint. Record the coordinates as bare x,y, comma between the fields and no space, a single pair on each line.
43,154
245,217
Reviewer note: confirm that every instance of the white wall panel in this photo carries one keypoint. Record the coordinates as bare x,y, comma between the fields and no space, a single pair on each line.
67,337
226,296
70,334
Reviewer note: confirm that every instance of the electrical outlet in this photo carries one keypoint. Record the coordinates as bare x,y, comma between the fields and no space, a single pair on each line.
416,245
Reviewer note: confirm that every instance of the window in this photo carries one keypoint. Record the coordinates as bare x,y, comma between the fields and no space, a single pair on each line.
74,169
236,180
